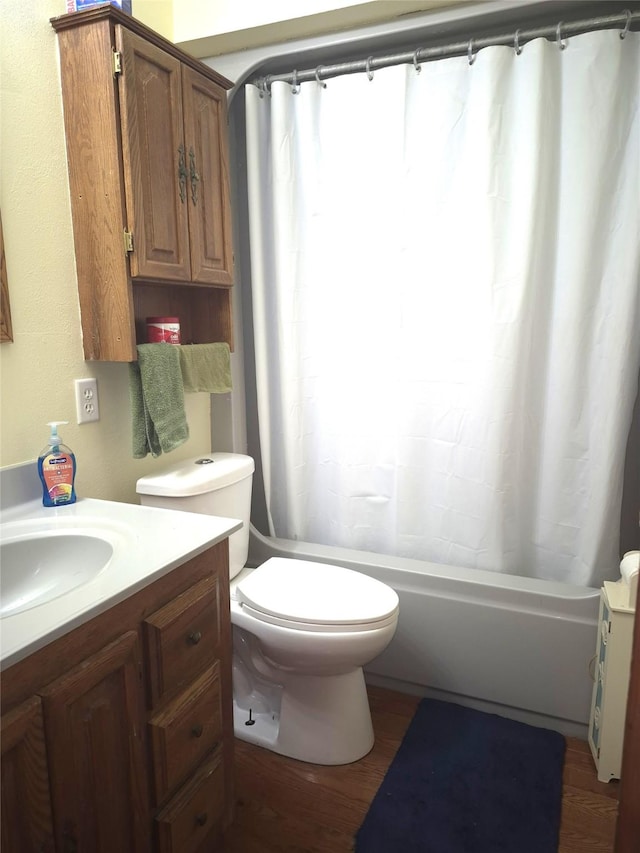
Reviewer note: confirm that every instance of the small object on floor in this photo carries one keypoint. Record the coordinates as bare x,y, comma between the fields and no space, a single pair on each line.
464,781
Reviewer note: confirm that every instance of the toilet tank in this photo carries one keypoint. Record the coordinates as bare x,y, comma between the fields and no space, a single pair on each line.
215,484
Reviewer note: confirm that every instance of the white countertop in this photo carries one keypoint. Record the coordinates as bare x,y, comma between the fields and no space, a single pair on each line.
148,543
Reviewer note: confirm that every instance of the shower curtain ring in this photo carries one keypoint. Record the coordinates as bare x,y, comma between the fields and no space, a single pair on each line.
416,65
318,80
295,87
470,55
516,43
367,66
263,87
561,44
623,33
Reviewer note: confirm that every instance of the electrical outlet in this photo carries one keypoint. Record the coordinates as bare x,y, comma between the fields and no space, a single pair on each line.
87,408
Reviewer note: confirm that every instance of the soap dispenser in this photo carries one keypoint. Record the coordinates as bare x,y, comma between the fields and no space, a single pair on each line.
57,470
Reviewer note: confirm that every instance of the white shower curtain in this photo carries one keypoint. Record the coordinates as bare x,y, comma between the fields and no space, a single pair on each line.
445,279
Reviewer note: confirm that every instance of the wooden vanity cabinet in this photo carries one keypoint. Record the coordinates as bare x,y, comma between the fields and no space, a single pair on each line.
27,825
94,717
123,728
147,150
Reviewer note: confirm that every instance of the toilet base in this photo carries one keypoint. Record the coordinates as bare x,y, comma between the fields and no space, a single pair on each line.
318,719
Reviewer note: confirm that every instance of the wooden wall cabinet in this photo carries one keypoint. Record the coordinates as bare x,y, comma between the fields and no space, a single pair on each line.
146,131
123,728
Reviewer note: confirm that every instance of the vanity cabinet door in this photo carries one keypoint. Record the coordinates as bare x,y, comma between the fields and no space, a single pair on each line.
26,800
95,722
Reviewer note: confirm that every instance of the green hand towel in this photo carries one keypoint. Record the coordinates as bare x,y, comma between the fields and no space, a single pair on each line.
157,401
206,367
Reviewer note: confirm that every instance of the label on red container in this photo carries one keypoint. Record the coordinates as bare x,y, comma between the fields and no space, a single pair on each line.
163,330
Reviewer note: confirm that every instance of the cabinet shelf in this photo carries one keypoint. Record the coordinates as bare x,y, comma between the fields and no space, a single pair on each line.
147,151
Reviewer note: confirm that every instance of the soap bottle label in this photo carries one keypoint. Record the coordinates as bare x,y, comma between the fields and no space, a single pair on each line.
57,472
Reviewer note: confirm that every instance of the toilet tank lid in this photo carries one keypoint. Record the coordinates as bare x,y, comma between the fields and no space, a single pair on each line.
197,475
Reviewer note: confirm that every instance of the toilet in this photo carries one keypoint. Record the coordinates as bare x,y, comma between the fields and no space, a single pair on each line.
302,631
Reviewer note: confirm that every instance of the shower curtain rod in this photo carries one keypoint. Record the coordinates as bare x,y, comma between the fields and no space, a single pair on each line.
516,39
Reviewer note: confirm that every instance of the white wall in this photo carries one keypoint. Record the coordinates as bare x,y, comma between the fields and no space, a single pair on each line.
205,28
37,370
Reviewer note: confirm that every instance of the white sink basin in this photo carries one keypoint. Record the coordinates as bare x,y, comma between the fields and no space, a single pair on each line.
38,567
62,566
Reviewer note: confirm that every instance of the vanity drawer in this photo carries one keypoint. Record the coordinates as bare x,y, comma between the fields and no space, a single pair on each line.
195,811
182,638
185,731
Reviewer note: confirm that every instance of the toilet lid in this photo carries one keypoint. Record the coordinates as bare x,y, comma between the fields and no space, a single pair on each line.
316,593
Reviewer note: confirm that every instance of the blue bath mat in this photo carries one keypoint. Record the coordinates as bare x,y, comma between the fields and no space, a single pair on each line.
468,782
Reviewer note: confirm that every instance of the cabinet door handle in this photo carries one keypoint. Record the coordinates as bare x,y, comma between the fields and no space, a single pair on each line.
182,173
201,818
195,177
197,730
194,638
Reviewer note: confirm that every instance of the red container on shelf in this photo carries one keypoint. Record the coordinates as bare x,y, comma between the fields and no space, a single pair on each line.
163,330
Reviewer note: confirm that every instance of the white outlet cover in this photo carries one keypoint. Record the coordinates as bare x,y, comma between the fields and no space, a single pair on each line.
87,408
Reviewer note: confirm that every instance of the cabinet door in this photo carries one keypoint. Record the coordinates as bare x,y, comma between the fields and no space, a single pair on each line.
94,720
205,128
154,159
26,800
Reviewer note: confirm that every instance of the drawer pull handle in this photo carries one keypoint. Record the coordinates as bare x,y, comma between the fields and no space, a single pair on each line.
194,638
197,730
201,818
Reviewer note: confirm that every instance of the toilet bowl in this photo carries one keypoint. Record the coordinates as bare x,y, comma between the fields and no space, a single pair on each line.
302,631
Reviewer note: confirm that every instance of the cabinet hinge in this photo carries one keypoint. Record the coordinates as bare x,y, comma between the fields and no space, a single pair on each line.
128,242
117,62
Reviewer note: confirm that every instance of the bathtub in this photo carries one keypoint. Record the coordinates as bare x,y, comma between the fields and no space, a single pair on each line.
519,647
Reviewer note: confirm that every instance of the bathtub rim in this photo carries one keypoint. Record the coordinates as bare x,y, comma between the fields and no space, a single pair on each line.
262,547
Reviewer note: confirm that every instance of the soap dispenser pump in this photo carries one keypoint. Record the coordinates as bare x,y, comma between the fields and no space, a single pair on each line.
57,470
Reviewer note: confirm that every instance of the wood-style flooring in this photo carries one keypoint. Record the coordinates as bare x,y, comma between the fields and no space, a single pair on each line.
286,806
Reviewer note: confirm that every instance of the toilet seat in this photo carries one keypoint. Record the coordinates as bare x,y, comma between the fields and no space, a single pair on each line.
311,596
